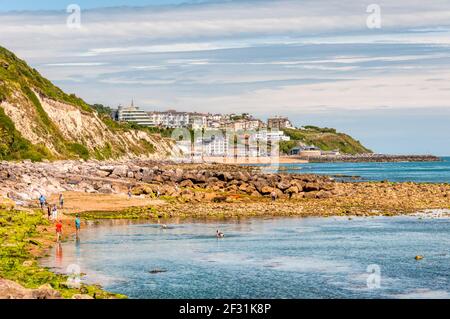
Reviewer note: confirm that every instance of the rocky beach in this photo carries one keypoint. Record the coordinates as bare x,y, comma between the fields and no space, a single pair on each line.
165,190
214,189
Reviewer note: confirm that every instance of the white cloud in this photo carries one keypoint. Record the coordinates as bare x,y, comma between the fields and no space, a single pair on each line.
393,91
249,46
77,64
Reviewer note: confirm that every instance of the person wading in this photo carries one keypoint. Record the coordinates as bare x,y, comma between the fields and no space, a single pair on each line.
58,231
77,225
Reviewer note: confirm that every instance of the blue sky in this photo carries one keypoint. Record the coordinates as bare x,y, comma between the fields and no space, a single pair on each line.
8,5
312,60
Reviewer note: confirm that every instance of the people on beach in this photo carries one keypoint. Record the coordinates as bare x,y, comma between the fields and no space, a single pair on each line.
273,195
58,231
219,234
61,201
42,201
54,212
77,225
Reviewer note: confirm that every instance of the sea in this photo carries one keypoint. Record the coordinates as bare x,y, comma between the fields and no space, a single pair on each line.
316,257
427,172
334,257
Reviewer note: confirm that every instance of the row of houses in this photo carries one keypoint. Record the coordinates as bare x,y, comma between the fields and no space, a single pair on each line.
194,120
256,137
234,143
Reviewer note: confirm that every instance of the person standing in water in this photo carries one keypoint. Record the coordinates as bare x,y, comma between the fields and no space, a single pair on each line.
77,225
61,201
58,231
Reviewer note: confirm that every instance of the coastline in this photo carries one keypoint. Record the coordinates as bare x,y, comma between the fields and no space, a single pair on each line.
164,191
30,237
369,158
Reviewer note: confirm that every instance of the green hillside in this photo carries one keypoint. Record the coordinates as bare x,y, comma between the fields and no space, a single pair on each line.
23,88
327,139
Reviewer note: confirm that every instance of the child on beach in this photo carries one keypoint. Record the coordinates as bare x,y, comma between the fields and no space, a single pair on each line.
54,212
58,231
77,225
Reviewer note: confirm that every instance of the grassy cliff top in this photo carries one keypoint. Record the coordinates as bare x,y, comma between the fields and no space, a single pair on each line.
327,139
17,74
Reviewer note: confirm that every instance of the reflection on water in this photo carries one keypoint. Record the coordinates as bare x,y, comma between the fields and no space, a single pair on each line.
59,255
264,258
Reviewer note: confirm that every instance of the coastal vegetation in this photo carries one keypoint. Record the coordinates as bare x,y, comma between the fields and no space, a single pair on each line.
327,139
39,121
24,237
15,71
14,147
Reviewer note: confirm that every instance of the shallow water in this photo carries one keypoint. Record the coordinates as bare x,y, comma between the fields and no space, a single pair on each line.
433,172
266,258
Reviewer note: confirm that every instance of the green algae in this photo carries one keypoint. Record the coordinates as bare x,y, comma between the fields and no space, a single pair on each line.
21,233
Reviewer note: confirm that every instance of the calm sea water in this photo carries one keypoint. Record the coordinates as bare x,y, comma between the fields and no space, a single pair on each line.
266,258
434,172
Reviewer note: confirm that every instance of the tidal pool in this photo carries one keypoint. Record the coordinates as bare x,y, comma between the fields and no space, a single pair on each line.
265,258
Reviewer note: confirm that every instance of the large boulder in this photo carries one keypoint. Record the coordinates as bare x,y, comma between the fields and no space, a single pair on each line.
212,180
12,290
187,183
292,190
45,292
260,184
107,168
311,187
266,190
283,185
120,171
323,194
106,189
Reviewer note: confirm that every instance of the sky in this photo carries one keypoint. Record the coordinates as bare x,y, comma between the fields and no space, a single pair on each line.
315,61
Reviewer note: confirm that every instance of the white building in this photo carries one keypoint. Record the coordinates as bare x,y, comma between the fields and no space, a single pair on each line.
271,136
198,121
171,118
133,114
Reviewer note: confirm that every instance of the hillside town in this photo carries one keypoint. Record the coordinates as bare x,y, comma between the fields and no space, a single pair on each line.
258,137
195,120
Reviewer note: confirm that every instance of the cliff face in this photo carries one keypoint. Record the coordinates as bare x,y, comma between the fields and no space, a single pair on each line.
39,121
